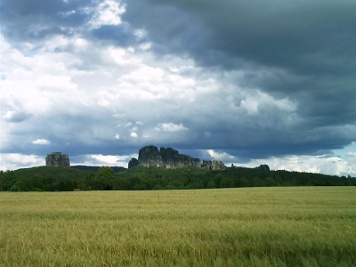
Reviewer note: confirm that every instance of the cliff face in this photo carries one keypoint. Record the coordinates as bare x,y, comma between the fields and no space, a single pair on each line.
57,159
264,167
149,156
169,158
213,165
133,163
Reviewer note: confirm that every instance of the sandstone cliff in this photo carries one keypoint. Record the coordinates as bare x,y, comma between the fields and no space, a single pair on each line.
264,167
57,159
169,158
213,165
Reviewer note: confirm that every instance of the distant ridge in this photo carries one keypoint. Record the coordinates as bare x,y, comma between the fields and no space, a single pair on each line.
95,168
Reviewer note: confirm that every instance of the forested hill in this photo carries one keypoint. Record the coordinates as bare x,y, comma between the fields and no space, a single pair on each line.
95,168
143,178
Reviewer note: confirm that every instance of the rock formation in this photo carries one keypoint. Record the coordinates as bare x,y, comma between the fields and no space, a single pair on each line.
133,163
169,158
213,165
57,159
264,167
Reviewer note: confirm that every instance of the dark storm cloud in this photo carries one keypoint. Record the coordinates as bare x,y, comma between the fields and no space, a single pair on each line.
305,38
303,50
171,29
23,20
292,35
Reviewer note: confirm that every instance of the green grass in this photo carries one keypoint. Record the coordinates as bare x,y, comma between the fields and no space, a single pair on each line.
295,226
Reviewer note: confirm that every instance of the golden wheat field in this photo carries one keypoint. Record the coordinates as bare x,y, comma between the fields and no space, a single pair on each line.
294,226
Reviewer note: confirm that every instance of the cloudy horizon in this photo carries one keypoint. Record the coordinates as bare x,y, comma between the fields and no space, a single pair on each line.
245,82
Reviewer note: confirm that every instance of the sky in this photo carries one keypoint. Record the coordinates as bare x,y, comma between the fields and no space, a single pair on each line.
247,82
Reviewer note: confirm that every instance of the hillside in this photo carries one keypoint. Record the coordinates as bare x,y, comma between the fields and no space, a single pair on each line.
95,168
149,178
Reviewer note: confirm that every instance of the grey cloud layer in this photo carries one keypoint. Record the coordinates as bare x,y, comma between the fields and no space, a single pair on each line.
304,50
301,36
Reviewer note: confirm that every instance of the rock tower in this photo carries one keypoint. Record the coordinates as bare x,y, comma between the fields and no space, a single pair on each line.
57,159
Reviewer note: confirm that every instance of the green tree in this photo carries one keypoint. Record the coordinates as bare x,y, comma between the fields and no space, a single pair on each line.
104,179
270,181
226,183
211,184
2,175
15,188
8,179
243,182
257,182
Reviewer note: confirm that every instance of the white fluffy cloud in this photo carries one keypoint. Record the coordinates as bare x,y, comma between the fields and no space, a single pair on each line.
107,12
328,164
41,142
222,156
13,161
133,135
108,160
171,127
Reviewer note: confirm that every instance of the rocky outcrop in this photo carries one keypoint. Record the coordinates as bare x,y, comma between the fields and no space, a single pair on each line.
133,163
149,156
213,165
57,159
264,167
169,158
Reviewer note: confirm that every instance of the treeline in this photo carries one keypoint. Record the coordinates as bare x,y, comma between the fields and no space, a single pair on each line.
45,179
143,178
